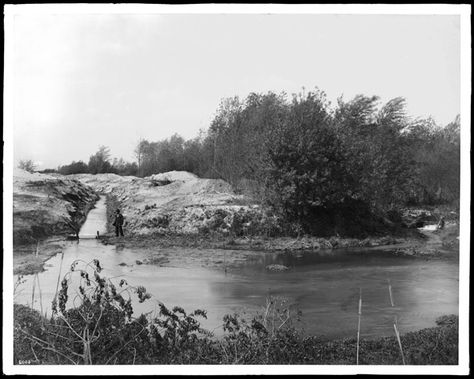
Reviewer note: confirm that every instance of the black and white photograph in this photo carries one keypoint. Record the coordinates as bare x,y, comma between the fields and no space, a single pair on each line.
230,189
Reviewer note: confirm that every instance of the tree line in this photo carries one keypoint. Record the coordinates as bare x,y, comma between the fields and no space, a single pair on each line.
309,160
99,163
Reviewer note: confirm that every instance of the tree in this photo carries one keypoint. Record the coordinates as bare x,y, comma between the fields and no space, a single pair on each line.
376,150
100,161
27,165
307,175
74,168
139,154
120,167
436,152
176,151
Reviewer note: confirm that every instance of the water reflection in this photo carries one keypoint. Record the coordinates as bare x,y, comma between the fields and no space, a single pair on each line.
327,292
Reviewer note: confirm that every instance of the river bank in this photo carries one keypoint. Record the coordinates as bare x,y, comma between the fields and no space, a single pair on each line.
46,206
193,250
31,258
238,279
177,210
47,210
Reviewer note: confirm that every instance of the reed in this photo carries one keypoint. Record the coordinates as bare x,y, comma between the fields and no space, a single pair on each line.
395,323
225,262
59,276
33,294
40,293
358,326
399,340
390,293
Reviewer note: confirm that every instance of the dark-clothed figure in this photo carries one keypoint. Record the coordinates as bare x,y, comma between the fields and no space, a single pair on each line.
118,223
441,223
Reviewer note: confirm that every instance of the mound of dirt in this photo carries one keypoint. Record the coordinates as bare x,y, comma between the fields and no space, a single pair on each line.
173,176
46,205
173,202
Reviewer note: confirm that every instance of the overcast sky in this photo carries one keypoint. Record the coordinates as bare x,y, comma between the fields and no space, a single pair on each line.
81,81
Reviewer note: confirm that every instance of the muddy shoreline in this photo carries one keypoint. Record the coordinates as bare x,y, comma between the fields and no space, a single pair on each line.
439,244
31,259
413,243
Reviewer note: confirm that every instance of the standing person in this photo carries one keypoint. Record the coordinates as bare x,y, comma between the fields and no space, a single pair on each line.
118,223
441,223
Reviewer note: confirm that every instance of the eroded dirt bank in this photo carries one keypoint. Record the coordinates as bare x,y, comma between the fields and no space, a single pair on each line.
46,209
178,209
175,202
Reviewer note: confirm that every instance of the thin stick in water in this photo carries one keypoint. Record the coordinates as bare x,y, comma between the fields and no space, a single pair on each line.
399,340
397,334
390,292
33,293
40,293
59,275
225,262
358,326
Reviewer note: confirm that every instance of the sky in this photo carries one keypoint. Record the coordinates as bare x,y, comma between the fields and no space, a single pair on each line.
85,80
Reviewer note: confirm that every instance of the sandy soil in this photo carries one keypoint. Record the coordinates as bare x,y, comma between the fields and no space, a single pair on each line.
175,202
46,205
46,209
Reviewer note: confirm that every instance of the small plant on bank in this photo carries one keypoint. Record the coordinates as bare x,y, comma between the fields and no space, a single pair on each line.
97,328
94,324
268,338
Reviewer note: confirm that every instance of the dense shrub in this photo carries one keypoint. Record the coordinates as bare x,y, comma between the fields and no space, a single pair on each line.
315,165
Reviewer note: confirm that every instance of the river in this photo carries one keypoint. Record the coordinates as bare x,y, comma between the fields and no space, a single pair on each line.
324,286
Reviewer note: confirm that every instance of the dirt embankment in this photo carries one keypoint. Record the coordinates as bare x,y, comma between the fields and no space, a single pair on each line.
178,209
176,202
46,206
435,243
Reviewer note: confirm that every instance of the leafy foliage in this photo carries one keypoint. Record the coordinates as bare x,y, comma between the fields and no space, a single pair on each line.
99,163
27,165
437,157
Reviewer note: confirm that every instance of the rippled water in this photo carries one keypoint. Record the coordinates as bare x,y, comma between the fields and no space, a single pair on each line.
324,286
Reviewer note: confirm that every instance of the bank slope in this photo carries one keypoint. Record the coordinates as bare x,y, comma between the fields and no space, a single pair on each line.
47,205
175,202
